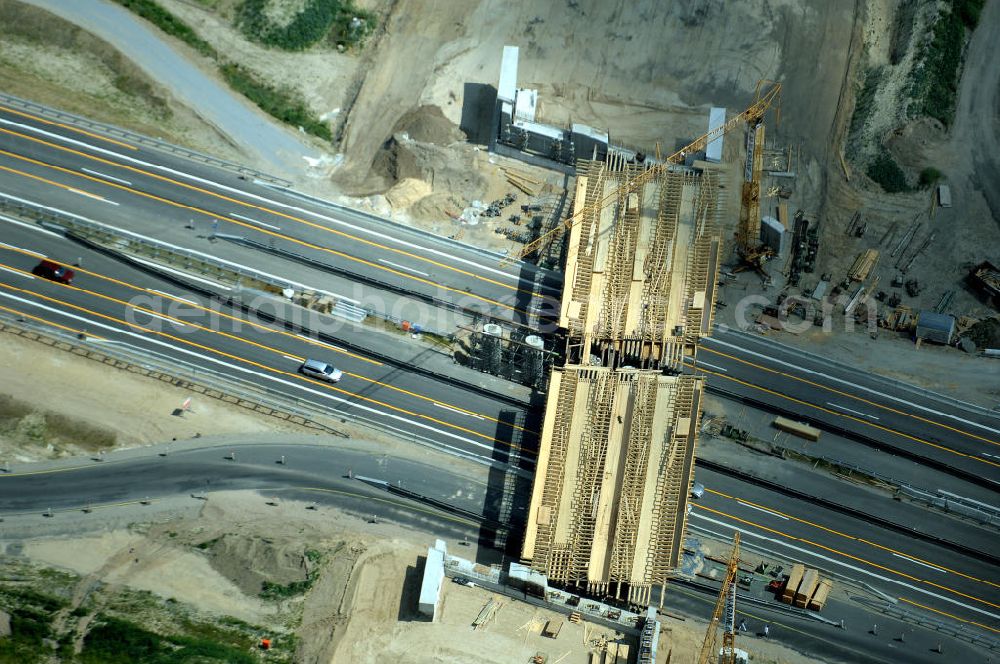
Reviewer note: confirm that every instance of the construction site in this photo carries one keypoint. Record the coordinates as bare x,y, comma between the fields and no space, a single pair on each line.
617,213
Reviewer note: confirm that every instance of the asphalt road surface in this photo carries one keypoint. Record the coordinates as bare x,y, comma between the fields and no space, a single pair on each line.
320,474
121,305
921,425
160,196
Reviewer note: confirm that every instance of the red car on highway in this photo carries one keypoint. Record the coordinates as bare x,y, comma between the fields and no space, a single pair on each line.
54,271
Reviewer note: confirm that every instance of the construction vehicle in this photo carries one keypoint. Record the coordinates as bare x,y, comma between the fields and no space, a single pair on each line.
726,604
752,116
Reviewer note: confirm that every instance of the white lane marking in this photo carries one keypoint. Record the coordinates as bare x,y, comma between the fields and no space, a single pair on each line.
761,509
106,176
122,231
22,249
348,401
992,456
456,410
90,195
917,562
849,410
20,274
163,318
173,297
254,221
712,366
403,267
34,227
321,343
850,384
180,273
750,533
232,190
293,359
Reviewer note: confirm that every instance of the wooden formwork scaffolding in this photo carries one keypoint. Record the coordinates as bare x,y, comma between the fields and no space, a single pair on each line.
639,269
608,507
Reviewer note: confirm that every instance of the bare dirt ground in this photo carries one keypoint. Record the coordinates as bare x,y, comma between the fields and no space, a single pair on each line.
142,407
362,605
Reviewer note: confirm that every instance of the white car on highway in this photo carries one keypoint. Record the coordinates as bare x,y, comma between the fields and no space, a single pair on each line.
321,370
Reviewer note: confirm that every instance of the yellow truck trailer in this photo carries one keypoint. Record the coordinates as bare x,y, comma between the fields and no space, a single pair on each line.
797,428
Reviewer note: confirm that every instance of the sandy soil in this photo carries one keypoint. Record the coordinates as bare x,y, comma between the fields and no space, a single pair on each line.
362,607
143,407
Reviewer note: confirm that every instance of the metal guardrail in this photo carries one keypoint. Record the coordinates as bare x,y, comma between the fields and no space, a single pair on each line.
951,505
954,630
308,411
93,232
163,365
871,441
147,141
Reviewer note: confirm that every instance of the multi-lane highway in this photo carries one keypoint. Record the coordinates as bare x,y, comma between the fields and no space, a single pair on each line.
917,424
120,304
158,195
162,196
914,571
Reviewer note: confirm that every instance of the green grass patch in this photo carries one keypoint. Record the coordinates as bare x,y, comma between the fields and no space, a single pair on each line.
281,104
169,23
886,172
935,82
929,176
117,641
278,591
864,103
336,21
28,629
969,11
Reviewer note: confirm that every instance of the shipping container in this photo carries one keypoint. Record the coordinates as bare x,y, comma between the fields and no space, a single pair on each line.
806,589
794,578
819,597
944,195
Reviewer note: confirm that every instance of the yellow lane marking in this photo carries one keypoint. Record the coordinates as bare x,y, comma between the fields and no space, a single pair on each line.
254,343
288,374
68,128
290,217
852,396
851,417
950,615
192,208
47,322
849,556
852,537
195,305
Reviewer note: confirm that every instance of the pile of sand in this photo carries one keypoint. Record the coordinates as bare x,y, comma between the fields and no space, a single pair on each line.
427,124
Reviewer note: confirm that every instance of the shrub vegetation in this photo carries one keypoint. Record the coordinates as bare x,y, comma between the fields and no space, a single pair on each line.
886,172
281,104
337,20
169,23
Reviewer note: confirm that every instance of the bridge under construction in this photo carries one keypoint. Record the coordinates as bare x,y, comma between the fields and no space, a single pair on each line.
608,508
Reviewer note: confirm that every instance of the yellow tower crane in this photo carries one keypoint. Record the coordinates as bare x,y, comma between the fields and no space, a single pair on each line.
727,602
752,116
748,242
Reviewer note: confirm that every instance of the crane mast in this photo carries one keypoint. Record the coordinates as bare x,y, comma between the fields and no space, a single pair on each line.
726,604
752,116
